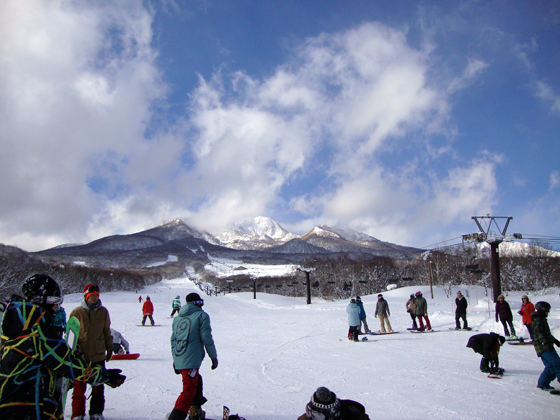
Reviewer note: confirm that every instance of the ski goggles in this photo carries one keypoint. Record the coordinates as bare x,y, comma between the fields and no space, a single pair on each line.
48,300
311,414
196,302
92,289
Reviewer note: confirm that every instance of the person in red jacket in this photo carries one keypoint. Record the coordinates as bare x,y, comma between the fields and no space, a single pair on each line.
527,308
147,310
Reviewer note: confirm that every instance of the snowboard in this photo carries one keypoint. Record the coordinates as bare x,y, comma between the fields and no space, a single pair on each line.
496,375
555,392
365,339
148,325
383,333
463,329
412,329
71,337
520,343
514,339
130,356
425,331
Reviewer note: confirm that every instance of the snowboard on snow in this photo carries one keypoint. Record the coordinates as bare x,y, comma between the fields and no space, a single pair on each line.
148,325
383,333
71,337
555,391
424,331
463,329
520,343
496,375
364,339
130,356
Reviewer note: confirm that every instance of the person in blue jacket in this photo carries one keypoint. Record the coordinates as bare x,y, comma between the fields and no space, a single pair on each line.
353,311
190,340
362,314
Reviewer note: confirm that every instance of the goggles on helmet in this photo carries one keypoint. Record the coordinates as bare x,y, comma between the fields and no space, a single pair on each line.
196,302
311,414
92,289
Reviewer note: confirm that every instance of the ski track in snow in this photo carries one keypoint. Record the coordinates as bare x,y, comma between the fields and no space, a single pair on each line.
275,351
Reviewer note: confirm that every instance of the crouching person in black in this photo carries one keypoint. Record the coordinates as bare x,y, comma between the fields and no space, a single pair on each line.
324,405
489,346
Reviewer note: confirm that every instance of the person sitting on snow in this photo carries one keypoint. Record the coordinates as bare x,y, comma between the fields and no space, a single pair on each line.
324,405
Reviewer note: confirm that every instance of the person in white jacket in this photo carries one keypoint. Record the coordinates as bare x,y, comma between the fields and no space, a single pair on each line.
120,345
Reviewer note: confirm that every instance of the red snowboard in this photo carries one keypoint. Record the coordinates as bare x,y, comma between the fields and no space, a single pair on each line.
131,356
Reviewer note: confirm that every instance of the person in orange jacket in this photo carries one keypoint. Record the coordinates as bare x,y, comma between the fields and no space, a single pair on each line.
147,310
527,308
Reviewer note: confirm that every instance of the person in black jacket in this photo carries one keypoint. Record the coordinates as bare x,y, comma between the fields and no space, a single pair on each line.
489,346
325,405
461,311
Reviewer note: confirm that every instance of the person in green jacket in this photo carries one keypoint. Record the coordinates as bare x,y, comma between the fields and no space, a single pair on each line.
190,340
544,342
175,305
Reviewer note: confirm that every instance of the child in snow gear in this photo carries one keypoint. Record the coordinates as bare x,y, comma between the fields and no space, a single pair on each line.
461,311
324,405
362,314
191,337
503,311
175,305
421,311
96,343
382,311
489,346
544,341
353,320
35,354
527,308
411,309
147,311
120,345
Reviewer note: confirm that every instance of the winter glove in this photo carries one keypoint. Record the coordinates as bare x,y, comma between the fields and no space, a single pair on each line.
115,378
177,372
109,355
214,363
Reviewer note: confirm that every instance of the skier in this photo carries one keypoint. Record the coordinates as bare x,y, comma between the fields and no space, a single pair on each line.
411,308
489,346
147,311
191,336
461,311
353,320
527,308
175,305
96,343
503,311
120,345
325,405
362,315
544,341
35,354
421,311
382,311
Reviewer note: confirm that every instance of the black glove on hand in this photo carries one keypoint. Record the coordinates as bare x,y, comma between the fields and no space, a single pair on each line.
115,378
214,363
176,371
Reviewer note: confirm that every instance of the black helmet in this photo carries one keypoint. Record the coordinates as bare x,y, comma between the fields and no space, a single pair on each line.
42,289
542,306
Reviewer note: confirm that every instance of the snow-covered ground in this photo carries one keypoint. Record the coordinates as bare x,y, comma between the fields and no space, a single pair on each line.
275,351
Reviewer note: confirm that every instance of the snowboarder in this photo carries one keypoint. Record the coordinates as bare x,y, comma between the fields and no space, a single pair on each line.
411,308
147,311
382,311
175,305
353,311
461,311
503,312
139,299
35,354
544,341
527,308
489,346
421,311
120,345
362,315
325,405
191,336
96,343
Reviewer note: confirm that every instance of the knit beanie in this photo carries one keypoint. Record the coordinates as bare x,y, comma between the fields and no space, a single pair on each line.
194,299
325,402
89,290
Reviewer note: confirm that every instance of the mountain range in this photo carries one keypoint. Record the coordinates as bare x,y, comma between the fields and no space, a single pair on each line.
256,239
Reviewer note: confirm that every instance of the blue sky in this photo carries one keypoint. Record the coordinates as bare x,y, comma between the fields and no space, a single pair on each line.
399,119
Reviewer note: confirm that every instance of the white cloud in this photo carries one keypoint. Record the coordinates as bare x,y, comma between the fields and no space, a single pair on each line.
554,180
546,93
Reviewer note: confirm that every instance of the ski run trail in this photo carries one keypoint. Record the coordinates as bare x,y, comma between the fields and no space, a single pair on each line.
275,351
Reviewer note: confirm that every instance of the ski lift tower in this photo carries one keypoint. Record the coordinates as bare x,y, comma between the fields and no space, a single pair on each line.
308,280
494,239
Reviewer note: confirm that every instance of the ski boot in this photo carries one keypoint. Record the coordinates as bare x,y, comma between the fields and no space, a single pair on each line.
196,413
